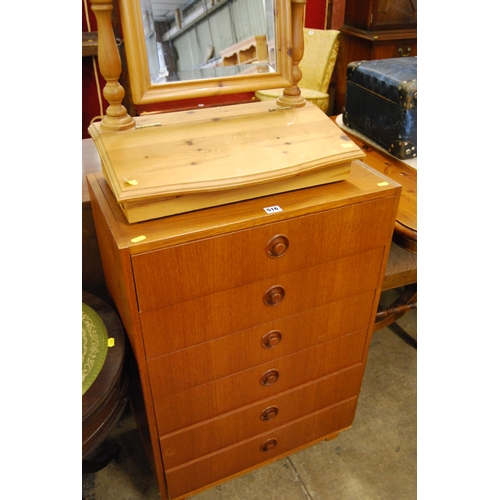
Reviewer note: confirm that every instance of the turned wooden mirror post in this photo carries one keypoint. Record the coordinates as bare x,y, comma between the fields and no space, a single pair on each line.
110,67
289,23
291,95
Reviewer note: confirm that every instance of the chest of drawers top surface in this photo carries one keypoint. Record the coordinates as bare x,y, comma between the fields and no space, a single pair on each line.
363,184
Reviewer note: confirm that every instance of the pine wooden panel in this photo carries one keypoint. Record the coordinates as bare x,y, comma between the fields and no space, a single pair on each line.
209,361
236,459
177,273
212,316
201,158
166,206
218,148
177,411
218,433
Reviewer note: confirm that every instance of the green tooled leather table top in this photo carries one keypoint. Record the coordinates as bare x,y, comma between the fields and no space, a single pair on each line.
94,346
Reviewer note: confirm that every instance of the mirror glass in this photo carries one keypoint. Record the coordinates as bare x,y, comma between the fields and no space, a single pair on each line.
184,49
197,39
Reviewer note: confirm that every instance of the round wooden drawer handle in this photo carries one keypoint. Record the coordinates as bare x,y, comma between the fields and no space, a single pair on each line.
269,377
269,413
277,246
269,445
274,295
271,339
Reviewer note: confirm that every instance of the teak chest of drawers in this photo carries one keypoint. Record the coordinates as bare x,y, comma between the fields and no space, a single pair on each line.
250,327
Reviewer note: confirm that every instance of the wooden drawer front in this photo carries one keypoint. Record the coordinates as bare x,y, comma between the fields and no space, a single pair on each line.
206,318
259,450
401,48
199,440
176,411
196,269
210,361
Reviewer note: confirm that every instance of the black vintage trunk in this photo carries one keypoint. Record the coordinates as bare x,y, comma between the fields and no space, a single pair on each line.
381,103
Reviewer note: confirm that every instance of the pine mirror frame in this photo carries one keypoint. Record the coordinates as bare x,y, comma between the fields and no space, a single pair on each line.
144,92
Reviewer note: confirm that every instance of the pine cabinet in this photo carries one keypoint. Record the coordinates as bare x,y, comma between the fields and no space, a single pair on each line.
249,322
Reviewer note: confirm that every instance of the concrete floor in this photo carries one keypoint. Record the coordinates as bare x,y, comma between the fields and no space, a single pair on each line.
376,459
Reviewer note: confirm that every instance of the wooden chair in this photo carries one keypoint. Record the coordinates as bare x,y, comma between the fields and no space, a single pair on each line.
320,54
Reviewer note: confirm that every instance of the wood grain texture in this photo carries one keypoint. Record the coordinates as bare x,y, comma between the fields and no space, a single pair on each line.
359,46
239,258
218,433
116,117
381,15
211,316
401,269
144,92
361,186
229,393
203,370
243,456
406,176
213,360
233,152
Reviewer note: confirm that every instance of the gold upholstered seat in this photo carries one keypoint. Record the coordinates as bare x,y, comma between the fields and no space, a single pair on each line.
321,48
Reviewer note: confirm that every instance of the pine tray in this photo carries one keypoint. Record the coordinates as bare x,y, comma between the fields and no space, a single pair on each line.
178,162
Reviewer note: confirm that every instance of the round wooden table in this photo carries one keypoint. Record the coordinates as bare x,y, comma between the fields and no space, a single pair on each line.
105,400
401,270
405,229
